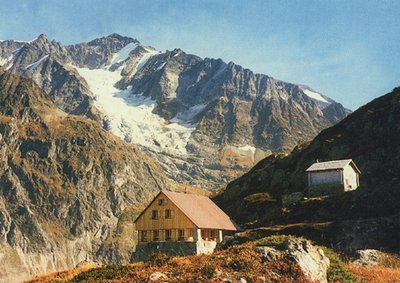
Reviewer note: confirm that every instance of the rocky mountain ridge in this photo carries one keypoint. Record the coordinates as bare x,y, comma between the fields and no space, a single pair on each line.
66,186
203,119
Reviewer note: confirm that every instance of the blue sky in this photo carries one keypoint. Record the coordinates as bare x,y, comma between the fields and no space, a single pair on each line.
348,50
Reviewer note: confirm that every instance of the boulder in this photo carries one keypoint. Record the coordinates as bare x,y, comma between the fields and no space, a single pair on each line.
268,253
368,257
158,277
292,199
311,259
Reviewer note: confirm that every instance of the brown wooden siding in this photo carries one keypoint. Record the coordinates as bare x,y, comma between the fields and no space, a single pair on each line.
177,221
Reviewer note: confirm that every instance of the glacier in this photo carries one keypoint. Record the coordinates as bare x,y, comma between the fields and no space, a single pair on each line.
130,116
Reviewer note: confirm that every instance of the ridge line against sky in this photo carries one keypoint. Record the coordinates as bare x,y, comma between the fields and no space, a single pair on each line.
347,50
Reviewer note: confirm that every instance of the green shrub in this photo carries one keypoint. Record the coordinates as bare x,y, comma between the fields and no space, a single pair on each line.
208,270
279,242
337,271
157,260
242,258
102,274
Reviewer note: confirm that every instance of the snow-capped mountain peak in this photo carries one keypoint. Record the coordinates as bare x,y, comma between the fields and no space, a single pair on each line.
199,117
128,115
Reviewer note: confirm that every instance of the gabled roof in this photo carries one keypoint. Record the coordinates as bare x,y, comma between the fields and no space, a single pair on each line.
332,165
202,211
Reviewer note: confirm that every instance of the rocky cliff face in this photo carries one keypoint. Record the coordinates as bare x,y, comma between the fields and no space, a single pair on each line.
367,217
47,63
98,52
239,108
66,185
203,119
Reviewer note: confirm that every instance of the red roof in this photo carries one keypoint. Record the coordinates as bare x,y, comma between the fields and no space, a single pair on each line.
202,211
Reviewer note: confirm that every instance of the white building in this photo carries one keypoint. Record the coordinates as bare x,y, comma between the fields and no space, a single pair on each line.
332,177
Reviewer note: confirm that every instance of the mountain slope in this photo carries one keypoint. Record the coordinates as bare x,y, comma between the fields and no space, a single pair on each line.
367,217
203,119
65,184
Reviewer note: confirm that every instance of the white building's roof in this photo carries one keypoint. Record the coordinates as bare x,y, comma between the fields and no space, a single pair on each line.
332,165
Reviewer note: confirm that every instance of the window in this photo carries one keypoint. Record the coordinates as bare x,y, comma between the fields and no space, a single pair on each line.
144,236
212,235
168,213
168,235
156,235
161,201
181,234
154,214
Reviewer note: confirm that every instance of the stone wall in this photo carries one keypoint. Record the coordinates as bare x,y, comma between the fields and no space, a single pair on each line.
145,251
205,247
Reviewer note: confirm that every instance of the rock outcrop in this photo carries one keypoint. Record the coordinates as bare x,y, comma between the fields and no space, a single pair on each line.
367,257
310,258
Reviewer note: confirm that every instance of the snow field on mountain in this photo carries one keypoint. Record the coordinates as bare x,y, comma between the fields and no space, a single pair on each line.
314,95
129,115
34,65
123,54
7,63
3,61
186,117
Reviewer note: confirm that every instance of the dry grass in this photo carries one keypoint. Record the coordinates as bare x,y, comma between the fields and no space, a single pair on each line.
376,274
5,119
232,156
387,271
183,187
390,260
64,275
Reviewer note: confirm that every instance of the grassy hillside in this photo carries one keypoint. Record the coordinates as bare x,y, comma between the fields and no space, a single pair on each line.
371,137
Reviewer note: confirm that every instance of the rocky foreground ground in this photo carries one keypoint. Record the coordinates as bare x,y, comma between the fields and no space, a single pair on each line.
271,259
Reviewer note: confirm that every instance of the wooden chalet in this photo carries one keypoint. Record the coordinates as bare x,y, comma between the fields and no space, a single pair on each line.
182,217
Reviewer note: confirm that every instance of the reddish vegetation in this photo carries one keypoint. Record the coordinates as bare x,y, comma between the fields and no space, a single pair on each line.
234,263
376,274
231,265
64,275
